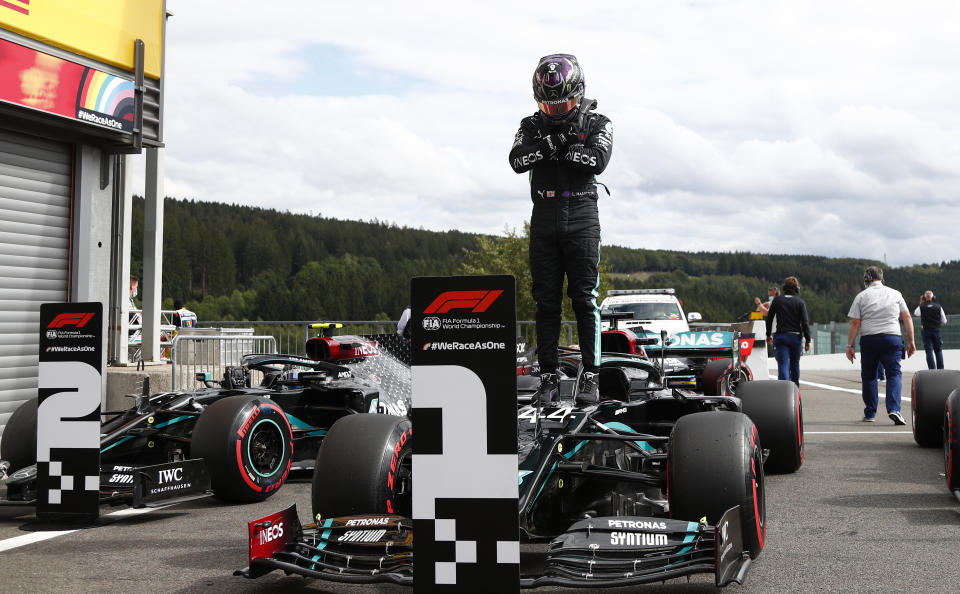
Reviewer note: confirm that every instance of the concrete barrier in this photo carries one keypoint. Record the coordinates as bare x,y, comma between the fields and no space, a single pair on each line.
129,380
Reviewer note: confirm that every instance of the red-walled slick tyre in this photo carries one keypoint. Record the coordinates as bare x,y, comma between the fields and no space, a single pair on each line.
363,467
775,408
714,464
247,445
951,441
720,378
929,390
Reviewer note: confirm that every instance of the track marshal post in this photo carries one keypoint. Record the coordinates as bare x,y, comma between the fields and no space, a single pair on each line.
465,433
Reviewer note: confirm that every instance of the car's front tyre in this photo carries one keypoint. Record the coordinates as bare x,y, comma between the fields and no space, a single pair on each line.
18,445
775,408
929,390
951,440
247,445
363,467
714,464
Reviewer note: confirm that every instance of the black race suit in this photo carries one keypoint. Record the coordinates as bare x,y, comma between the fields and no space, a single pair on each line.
564,227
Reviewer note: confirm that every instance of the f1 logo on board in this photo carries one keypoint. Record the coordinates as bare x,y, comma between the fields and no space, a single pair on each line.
70,319
475,301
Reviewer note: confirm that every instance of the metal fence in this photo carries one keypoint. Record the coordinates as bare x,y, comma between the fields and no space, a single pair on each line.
291,336
192,354
832,337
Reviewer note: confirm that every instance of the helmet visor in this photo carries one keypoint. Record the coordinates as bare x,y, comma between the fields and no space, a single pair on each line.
558,108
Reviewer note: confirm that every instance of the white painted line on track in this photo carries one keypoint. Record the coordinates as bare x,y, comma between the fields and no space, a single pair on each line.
33,537
25,539
133,511
839,389
857,433
828,387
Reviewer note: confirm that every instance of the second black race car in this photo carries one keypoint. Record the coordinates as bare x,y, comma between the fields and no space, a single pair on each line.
263,418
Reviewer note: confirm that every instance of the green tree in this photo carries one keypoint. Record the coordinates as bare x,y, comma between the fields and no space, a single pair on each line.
510,254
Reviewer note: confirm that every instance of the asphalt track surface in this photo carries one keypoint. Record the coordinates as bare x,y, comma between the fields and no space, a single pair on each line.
867,512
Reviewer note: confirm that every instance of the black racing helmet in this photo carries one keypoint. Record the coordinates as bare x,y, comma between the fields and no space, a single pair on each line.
558,85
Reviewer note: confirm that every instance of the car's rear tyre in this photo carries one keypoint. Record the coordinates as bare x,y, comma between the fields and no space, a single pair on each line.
18,445
929,390
363,467
714,464
720,378
247,445
951,442
774,407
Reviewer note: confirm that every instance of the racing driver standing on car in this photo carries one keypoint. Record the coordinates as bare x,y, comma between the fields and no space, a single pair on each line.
563,146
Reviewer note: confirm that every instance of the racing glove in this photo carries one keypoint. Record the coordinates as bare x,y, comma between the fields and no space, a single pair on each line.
559,141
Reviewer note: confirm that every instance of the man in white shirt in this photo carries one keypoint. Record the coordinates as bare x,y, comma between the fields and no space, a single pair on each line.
876,314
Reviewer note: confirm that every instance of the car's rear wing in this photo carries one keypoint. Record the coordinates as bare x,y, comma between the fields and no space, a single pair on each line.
703,345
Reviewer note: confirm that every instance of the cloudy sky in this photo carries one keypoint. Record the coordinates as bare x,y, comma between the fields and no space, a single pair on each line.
816,127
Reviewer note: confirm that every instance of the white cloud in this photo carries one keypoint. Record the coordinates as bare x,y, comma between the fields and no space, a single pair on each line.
768,126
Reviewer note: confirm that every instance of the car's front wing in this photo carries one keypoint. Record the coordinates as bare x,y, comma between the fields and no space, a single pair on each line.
596,552
622,551
138,486
357,549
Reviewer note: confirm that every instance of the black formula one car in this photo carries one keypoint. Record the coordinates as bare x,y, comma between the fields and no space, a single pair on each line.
652,483
711,362
266,416
936,418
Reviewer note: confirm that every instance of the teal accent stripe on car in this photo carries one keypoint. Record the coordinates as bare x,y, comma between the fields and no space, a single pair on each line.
301,424
618,425
554,467
544,483
692,531
172,421
326,534
596,313
116,443
297,423
691,534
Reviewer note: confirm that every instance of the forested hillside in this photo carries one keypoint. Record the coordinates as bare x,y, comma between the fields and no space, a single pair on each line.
237,262
722,286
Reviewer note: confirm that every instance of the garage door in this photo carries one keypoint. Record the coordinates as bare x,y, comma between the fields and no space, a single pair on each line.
35,176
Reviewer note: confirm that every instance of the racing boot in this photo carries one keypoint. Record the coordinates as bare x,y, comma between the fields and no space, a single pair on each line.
549,390
588,389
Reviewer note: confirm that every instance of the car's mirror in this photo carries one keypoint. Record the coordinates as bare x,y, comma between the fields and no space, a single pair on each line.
694,316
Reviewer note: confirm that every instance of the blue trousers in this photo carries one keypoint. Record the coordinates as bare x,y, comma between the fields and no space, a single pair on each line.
881,350
933,346
786,350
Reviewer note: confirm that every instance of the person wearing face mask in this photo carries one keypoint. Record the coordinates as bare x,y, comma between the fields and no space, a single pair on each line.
134,290
876,314
790,313
764,306
564,146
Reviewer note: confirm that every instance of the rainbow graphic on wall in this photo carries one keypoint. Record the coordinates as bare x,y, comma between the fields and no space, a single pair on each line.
106,99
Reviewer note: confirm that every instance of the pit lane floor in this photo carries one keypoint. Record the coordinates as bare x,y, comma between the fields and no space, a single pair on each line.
867,512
